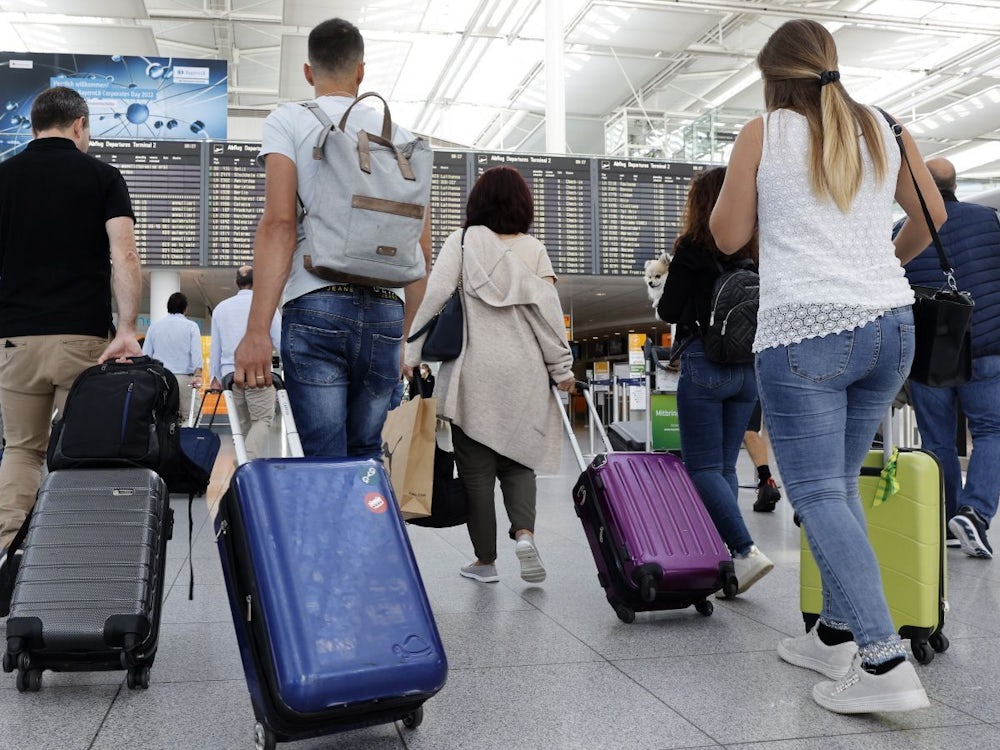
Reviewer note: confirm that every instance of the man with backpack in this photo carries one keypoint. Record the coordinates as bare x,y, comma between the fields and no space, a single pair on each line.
57,274
341,333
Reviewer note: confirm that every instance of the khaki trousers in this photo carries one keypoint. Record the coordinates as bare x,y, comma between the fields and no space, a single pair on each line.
480,467
36,373
255,407
186,395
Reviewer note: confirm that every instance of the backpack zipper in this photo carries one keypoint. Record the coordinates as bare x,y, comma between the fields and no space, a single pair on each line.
125,410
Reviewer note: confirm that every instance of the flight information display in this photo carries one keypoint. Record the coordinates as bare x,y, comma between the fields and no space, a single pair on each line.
561,187
449,194
235,202
164,181
640,205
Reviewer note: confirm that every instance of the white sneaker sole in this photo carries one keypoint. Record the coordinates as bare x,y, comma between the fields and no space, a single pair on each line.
532,570
816,665
477,577
968,538
910,700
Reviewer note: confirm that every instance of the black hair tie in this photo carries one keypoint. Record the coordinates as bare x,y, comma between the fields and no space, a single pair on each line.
829,76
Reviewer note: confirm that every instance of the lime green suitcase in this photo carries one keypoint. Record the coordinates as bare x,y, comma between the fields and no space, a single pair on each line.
907,533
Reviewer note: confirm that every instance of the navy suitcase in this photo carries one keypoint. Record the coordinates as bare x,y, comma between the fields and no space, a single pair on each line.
90,585
333,623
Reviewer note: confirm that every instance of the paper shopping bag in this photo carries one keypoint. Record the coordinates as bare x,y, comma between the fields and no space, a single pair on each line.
408,444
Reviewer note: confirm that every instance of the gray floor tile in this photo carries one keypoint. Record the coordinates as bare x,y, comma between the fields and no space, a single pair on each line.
950,738
210,604
211,715
66,718
493,639
566,706
752,697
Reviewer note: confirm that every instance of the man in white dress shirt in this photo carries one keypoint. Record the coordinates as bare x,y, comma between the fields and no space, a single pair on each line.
229,323
176,342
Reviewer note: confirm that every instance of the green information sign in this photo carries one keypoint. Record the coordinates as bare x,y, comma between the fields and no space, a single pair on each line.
666,431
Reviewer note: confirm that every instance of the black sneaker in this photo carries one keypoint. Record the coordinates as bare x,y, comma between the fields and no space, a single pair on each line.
970,529
768,496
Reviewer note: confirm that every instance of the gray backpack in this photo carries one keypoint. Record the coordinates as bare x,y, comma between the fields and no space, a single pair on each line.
368,205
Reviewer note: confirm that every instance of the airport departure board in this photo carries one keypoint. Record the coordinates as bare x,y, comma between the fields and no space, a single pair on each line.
164,181
561,188
449,194
640,204
235,202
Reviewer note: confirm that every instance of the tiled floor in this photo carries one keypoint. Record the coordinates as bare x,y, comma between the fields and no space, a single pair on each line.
540,667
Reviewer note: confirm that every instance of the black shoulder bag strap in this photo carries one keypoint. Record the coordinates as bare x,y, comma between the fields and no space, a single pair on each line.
946,268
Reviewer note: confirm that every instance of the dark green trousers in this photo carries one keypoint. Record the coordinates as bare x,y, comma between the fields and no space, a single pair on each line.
480,467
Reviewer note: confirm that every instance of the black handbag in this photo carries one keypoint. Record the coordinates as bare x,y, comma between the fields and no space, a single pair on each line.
446,330
449,503
942,318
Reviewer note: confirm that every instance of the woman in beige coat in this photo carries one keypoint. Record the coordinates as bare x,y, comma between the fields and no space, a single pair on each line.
505,423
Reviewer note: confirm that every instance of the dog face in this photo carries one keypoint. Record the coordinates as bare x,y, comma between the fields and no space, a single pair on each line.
655,272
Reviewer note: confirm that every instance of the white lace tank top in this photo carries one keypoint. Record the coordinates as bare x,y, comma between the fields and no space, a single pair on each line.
822,271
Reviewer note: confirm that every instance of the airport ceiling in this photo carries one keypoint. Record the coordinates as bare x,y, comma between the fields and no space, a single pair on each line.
472,72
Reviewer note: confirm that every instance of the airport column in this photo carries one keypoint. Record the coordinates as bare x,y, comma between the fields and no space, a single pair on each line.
161,285
555,78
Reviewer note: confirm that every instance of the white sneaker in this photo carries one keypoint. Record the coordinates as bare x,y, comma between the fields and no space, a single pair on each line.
532,569
749,568
860,692
810,652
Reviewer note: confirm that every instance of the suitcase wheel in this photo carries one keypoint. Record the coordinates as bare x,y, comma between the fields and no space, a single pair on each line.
939,642
704,607
264,738
8,662
922,652
625,614
137,678
29,680
414,719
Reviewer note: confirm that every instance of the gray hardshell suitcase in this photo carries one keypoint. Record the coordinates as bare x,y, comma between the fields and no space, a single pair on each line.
89,591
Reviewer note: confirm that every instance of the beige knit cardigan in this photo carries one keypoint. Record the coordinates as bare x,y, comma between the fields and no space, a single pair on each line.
497,390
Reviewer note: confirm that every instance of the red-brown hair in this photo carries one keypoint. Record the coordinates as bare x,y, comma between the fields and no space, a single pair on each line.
701,199
501,201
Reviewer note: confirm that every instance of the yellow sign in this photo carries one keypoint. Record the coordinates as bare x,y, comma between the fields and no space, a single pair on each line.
568,324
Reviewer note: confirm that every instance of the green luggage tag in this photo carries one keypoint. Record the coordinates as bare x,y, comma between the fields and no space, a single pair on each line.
887,485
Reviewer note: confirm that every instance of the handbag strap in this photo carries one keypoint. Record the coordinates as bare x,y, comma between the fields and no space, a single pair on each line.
458,289
946,268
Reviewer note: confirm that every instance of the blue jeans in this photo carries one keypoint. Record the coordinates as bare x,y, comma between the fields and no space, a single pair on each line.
714,404
823,399
341,355
937,413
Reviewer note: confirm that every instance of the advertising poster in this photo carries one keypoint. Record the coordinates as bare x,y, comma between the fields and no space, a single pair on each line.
130,97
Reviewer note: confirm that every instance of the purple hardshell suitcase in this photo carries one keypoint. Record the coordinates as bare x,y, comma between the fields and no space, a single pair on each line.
654,543
334,626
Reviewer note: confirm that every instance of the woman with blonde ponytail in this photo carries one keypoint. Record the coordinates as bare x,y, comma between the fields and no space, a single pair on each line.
816,177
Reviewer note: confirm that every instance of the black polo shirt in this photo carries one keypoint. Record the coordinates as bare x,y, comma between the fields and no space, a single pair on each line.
55,261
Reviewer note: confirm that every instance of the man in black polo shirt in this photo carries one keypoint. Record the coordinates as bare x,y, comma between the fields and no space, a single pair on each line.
66,240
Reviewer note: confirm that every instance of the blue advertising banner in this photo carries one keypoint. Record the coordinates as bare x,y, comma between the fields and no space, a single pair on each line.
130,97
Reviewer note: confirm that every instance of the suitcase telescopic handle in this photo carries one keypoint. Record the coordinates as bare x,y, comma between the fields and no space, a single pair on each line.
584,388
287,420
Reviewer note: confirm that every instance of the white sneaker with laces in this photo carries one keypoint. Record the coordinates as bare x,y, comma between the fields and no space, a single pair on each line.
749,569
810,652
532,569
861,692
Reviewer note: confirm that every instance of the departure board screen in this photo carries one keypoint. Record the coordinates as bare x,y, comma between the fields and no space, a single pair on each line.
563,197
235,202
639,209
449,194
164,181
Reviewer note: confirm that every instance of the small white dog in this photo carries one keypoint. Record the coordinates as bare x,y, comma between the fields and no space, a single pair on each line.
654,276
